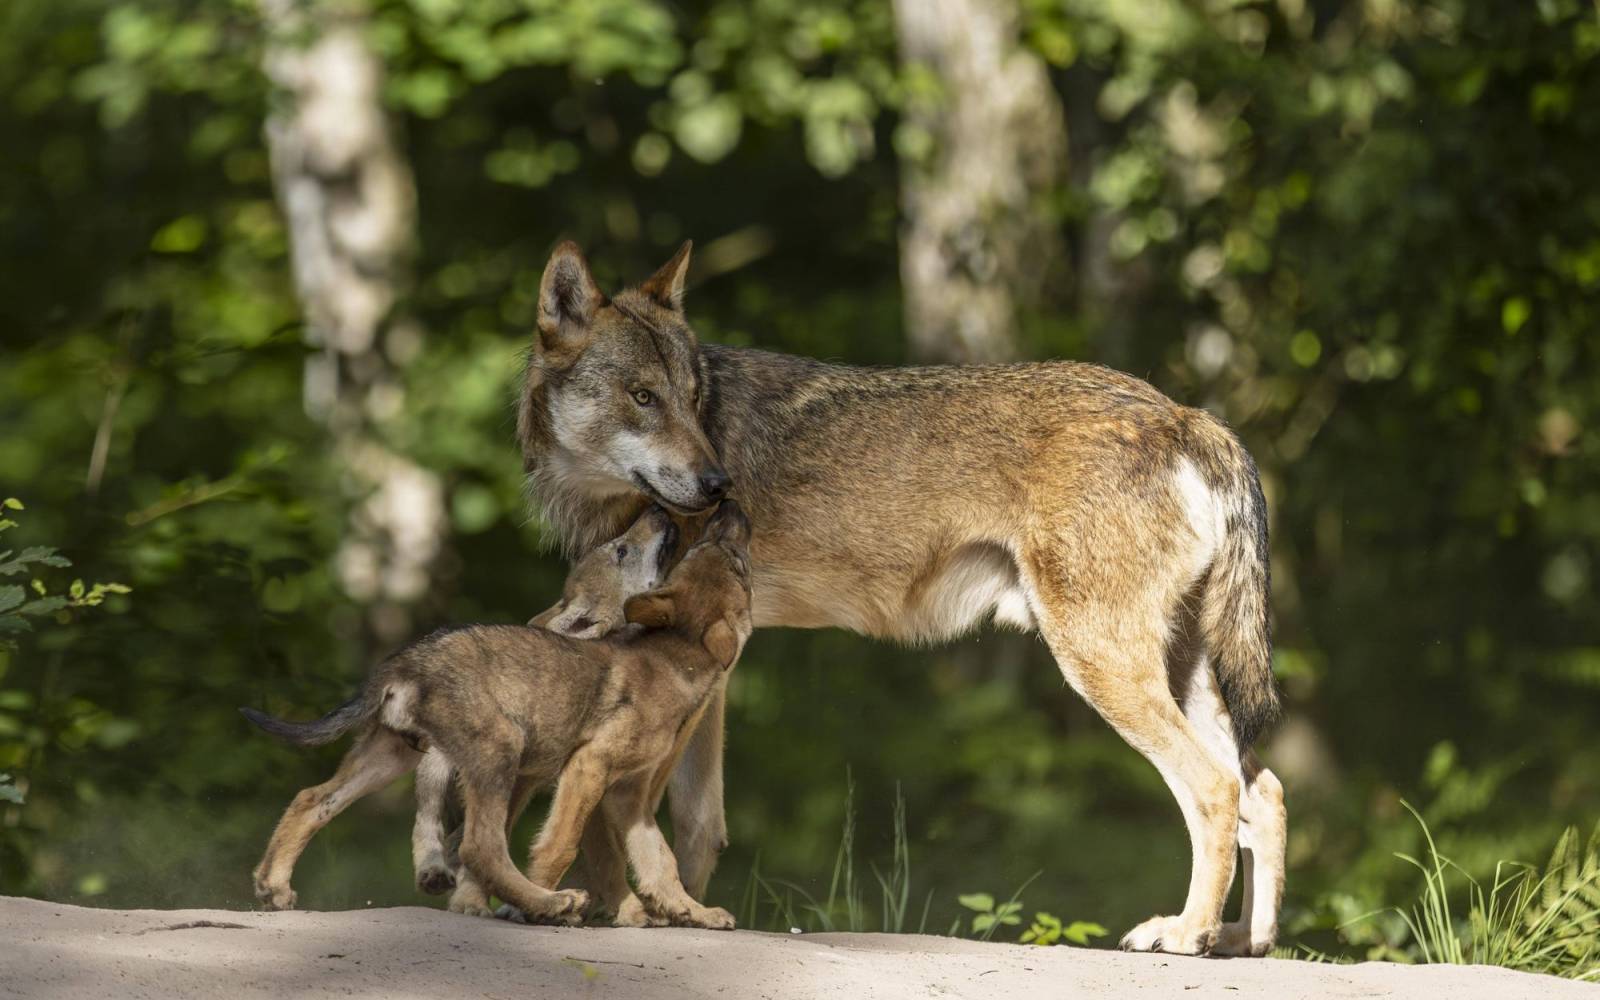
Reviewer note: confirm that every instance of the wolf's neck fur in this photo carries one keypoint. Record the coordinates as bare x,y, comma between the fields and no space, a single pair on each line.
580,518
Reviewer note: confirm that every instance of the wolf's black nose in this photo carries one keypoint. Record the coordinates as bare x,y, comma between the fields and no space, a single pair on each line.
715,484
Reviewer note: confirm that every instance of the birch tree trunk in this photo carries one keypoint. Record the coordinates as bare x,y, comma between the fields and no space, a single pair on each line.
974,244
349,201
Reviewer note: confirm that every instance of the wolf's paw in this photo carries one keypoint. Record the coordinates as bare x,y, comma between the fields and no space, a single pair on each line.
1171,935
276,897
632,913
435,879
511,914
712,918
1235,939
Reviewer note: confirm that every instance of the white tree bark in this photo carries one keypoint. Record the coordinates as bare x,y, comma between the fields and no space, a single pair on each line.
349,201
974,244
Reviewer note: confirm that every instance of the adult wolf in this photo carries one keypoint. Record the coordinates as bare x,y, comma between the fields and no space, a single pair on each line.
914,504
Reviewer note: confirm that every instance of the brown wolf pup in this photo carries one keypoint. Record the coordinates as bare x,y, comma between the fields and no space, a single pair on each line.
916,503
591,606
513,706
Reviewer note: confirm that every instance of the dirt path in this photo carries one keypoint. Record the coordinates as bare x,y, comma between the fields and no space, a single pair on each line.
55,950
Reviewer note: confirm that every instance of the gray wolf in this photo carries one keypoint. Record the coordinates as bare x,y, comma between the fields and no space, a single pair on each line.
512,706
591,606
1061,498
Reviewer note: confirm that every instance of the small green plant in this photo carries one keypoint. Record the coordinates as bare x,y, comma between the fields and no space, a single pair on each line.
989,916
1525,919
18,605
1047,929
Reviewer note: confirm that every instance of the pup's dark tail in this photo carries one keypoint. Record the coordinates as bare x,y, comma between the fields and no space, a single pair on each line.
314,734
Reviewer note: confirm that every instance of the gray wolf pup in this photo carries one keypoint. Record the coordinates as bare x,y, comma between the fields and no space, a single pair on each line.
591,606
512,706
916,503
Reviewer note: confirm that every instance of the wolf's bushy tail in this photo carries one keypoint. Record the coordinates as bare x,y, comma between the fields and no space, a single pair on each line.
324,730
1234,615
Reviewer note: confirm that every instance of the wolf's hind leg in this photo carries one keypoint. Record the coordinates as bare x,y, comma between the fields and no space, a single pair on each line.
1263,836
378,757
428,858
1109,638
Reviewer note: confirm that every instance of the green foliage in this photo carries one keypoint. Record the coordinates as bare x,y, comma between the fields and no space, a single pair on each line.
1047,929
1547,922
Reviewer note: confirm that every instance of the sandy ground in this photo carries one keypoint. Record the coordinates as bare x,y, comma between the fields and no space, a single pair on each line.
54,950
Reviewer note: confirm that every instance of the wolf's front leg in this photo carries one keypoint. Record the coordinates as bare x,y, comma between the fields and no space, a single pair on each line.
699,828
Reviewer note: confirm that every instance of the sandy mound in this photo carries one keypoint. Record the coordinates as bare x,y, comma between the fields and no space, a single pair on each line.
55,950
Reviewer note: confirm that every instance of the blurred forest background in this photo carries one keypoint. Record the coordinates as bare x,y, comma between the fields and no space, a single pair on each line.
269,269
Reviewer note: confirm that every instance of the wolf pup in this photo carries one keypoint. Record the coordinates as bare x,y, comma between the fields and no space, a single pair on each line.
512,706
590,607
1060,498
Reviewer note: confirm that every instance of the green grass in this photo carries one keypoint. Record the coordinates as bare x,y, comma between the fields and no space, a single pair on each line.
1526,919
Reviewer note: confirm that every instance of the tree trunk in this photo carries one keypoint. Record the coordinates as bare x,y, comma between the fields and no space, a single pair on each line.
348,198
974,243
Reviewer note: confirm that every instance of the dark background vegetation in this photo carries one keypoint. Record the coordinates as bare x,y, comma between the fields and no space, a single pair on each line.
1368,234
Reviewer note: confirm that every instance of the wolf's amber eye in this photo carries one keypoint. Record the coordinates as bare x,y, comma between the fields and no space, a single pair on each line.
644,397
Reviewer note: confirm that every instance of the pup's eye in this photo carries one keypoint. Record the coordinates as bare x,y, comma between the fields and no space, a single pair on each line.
644,397
622,552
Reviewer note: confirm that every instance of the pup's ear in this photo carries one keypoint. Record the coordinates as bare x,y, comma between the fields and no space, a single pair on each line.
568,298
548,615
652,609
722,642
666,285
575,619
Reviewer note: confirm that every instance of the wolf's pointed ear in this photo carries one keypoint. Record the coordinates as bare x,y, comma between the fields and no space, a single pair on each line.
652,609
568,298
666,285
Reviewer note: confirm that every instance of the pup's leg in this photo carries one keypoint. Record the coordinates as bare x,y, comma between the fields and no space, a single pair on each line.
471,896
487,789
660,889
699,828
582,783
433,871
603,870
1109,634
378,757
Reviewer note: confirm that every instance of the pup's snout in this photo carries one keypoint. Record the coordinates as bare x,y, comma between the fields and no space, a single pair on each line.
715,483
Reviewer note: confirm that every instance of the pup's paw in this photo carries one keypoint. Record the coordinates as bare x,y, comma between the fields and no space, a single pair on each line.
276,897
1235,939
1171,935
632,913
470,901
435,879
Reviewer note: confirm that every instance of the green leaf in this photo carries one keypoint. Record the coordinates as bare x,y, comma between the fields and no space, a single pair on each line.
12,503
980,901
1080,931
11,596
43,606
